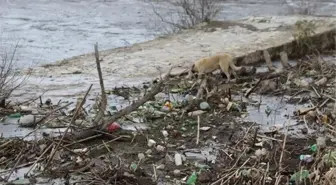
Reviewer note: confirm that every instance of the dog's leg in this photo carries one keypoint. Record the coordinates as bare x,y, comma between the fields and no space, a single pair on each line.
227,76
234,74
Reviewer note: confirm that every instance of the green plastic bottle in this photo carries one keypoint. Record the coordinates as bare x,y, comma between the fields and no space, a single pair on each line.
192,179
15,115
313,148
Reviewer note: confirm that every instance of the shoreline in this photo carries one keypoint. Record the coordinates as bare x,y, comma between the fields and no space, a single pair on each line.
140,62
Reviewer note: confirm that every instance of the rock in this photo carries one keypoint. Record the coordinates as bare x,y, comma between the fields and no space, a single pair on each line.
169,127
301,82
196,113
322,81
79,122
160,96
26,108
169,158
160,167
221,106
149,151
321,142
77,72
177,71
229,105
177,172
304,130
164,133
226,100
178,159
267,86
333,140
80,150
27,121
48,102
141,156
171,145
160,148
159,113
204,106
311,73
205,128
151,142
189,98
204,177
2,159
43,146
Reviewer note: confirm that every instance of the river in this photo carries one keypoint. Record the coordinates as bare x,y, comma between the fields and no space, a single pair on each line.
52,30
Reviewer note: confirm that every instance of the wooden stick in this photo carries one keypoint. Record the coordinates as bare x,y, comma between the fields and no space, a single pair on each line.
38,159
283,146
103,103
198,130
67,129
53,111
154,170
136,104
102,127
247,94
17,162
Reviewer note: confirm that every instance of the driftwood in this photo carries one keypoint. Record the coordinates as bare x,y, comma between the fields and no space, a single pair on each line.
67,129
101,128
52,112
247,94
103,102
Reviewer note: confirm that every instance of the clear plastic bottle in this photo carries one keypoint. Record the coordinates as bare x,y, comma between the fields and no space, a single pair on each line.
306,158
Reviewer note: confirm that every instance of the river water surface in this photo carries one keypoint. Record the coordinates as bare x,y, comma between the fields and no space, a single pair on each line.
51,30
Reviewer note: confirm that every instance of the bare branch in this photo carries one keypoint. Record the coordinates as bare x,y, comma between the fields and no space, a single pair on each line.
10,79
188,13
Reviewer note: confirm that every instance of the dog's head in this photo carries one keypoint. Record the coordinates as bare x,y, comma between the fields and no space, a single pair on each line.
193,69
192,72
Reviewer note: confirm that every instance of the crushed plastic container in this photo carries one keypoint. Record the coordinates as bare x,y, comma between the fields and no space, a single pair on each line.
192,179
306,158
15,115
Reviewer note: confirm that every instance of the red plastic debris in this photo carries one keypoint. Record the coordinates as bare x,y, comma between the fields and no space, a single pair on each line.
113,127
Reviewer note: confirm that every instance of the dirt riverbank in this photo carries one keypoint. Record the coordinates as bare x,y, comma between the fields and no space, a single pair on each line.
140,62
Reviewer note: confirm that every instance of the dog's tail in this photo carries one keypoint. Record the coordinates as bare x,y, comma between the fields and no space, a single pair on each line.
233,66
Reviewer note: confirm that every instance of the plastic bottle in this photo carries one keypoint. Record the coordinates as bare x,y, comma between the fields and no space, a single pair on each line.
15,115
313,147
306,158
192,179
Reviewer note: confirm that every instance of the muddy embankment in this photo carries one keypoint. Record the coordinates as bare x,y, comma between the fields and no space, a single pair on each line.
144,61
